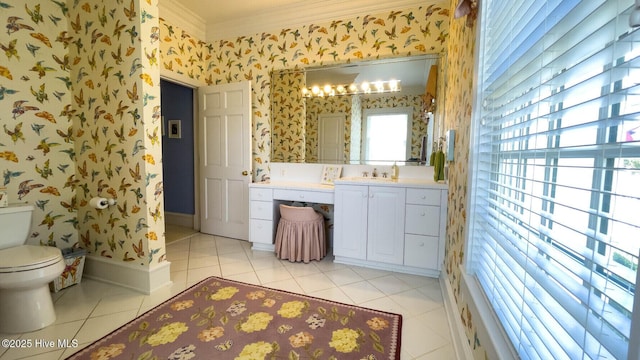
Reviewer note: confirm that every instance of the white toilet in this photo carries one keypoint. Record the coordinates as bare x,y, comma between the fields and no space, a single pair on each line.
25,273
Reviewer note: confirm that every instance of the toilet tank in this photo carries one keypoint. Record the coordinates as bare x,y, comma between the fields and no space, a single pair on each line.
15,224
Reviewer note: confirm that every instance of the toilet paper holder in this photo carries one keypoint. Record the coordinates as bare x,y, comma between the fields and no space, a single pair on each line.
101,203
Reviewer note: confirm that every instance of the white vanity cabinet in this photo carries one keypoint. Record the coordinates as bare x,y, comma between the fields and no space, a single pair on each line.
369,223
391,226
261,221
264,212
350,221
385,228
423,228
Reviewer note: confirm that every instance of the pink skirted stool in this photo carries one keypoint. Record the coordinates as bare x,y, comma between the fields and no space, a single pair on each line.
300,235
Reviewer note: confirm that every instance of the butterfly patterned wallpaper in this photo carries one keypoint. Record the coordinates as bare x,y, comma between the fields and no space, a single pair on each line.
411,31
37,154
289,126
79,105
459,103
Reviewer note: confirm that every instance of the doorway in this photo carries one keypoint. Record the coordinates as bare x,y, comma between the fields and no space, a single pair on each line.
178,159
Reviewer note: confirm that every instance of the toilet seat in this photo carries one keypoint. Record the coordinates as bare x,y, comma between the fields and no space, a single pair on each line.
28,257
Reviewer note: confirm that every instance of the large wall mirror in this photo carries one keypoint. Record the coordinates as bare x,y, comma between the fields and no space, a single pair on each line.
381,111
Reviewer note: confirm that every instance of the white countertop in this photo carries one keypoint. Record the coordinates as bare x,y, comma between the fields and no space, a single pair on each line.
291,185
427,183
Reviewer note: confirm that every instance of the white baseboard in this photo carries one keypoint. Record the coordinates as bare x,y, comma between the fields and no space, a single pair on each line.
263,247
389,267
458,335
135,277
179,219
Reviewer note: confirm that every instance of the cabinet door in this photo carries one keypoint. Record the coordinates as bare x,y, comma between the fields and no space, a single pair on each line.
386,224
350,221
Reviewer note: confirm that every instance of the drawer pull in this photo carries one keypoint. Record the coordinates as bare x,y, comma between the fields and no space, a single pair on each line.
423,214
421,244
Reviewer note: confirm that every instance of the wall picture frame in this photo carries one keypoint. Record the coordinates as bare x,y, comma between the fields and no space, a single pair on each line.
175,129
330,173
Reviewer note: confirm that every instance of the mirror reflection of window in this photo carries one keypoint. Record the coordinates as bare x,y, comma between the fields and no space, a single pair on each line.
385,135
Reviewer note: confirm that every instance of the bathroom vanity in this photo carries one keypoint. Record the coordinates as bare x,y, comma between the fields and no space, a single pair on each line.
397,225
378,223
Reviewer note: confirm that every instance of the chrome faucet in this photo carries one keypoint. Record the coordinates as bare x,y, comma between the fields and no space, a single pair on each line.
374,173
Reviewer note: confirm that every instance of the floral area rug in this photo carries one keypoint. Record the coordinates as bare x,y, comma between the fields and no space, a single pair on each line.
225,319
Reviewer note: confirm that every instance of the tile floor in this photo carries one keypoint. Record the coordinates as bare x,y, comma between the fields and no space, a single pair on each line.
91,309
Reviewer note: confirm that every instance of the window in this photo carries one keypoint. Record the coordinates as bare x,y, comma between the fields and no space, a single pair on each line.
386,134
554,230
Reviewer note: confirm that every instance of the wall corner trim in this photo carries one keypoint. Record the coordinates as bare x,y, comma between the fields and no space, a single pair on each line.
139,278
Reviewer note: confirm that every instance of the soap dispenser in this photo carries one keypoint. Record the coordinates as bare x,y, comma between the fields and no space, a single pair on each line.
395,171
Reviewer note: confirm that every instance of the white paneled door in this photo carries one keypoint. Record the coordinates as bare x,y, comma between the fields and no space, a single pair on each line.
225,158
331,138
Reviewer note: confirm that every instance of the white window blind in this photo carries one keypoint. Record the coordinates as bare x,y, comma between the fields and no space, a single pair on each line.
555,203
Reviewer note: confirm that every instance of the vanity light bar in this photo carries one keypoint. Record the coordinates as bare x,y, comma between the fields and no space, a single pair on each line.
377,87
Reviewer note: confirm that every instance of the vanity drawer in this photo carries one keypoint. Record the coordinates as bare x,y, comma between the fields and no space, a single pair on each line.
422,220
261,210
421,251
423,196
303,196
261,231
260,194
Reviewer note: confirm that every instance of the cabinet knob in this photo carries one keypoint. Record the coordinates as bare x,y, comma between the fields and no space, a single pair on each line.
424,196
421,244
245,173
301,196
423,214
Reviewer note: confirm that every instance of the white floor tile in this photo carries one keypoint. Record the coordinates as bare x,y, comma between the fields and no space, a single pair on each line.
195,275
235,268
315,282
361,292
92,309
343,276
267,275
390,284
97,327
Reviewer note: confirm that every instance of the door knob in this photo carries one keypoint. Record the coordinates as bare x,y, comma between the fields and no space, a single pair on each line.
245,173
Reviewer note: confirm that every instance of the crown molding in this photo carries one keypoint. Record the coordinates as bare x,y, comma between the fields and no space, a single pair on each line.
176,14
299,14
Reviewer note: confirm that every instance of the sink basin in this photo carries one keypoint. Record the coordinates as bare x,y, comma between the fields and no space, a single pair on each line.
368,179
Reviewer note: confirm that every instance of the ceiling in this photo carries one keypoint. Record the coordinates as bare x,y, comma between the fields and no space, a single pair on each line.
225,19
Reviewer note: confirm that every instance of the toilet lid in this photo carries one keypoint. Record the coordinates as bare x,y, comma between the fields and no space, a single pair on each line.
28,257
